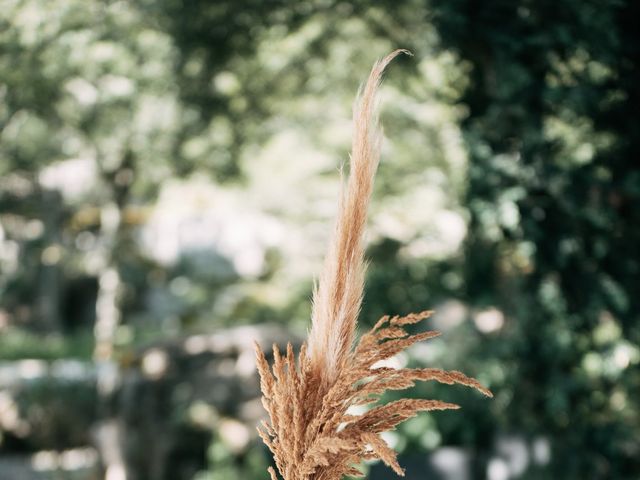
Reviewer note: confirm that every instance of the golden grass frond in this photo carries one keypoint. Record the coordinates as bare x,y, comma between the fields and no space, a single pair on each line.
311,432
314,436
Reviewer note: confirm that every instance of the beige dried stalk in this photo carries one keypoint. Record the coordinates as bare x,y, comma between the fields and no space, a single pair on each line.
311,433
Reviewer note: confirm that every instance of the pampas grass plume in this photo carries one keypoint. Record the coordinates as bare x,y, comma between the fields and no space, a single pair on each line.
310,432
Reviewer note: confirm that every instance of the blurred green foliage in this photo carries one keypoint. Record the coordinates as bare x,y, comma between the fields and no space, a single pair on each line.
554,237
45,413
184,155
19,343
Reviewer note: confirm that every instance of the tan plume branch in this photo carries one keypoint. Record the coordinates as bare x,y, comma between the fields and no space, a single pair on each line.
310,433
337,299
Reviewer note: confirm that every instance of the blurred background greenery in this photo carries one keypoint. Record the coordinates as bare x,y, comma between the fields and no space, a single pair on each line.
168,175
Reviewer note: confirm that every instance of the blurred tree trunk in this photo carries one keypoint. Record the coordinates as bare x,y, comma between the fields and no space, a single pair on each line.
109,314
109,284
